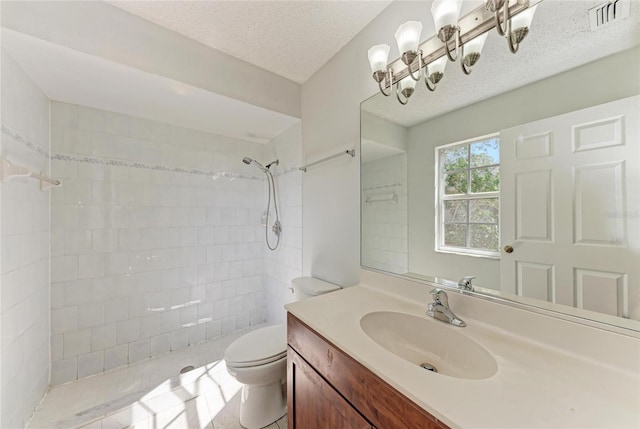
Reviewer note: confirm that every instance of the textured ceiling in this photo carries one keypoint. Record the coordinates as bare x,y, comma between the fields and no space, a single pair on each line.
290,38
560,39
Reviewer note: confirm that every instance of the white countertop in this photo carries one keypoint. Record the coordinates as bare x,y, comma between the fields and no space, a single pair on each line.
536,385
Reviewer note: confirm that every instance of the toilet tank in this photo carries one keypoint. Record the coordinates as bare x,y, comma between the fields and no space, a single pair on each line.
308,287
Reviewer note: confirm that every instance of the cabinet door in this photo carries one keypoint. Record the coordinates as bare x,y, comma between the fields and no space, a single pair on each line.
313,403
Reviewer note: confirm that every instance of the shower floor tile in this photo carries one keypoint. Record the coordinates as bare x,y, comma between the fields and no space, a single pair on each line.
151,395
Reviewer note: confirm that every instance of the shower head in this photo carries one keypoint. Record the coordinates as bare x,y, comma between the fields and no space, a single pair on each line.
250,161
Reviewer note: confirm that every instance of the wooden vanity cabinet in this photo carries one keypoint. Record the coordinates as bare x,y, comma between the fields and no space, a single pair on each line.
316,404
327,389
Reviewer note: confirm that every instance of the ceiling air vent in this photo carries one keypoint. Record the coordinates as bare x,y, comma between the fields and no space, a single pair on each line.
608,13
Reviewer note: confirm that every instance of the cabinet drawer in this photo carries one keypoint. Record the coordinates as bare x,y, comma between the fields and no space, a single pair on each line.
381,404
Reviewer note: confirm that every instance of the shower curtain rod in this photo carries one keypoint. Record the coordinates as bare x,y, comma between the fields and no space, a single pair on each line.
351,152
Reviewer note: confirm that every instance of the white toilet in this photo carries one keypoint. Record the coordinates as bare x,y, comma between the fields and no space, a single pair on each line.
258,360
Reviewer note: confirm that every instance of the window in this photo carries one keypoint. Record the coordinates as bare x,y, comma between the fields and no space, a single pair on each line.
468,205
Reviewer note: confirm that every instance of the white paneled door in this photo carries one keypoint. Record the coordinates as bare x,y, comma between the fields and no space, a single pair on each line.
570,201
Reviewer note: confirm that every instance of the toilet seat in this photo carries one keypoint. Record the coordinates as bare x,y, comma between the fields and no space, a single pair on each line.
231,364
259,347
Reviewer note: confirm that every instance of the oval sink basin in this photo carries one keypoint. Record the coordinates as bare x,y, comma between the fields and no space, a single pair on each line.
425,343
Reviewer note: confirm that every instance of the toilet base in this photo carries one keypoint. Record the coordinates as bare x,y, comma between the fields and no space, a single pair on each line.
262,405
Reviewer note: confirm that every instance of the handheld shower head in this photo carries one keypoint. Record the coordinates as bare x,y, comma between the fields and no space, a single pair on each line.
250,161
277,226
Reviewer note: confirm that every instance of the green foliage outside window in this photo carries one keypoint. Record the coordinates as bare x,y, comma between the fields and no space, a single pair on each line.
471,171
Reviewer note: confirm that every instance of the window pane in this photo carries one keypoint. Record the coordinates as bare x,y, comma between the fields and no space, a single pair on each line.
455,211
455,235
485,180
456,183
455,158
484,210
485,153
484,237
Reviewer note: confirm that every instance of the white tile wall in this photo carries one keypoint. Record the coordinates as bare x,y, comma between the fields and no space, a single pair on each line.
285,263
156,240
24,244
384,224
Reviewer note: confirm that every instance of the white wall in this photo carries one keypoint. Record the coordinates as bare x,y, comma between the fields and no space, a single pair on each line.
156,239
24,237
285,263
331,122
565,92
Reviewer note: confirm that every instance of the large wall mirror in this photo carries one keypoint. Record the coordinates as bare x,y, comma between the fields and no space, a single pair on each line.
524,174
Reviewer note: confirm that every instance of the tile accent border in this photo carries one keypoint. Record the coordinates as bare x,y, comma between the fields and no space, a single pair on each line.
143,165
158,167
130,164
26,142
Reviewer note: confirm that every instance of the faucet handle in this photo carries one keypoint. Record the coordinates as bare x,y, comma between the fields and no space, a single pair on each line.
440,297
465,282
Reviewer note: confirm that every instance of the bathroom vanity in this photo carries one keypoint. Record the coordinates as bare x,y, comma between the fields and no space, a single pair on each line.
328,388
354,362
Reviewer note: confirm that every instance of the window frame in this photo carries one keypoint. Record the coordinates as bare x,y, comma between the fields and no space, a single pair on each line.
441,197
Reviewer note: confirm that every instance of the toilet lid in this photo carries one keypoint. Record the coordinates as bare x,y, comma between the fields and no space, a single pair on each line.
312,286
258,347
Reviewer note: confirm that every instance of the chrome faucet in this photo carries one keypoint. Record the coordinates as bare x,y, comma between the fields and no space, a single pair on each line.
439,309
465,283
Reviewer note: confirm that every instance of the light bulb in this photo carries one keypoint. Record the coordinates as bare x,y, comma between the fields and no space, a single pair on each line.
378,57
438,65
474,46
446,12
408,36
523,19
407,83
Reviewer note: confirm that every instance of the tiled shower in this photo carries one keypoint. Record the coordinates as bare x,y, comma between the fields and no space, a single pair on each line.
156,239
153,242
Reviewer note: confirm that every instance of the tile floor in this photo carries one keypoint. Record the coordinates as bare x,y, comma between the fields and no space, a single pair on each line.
151,395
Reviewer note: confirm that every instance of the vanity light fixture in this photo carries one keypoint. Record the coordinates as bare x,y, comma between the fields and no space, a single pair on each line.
515,29
445,16
456,39
472,55
518,27
378,57
408,37
434,72
406,87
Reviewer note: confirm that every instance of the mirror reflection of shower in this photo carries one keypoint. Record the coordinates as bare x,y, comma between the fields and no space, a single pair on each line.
277,227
